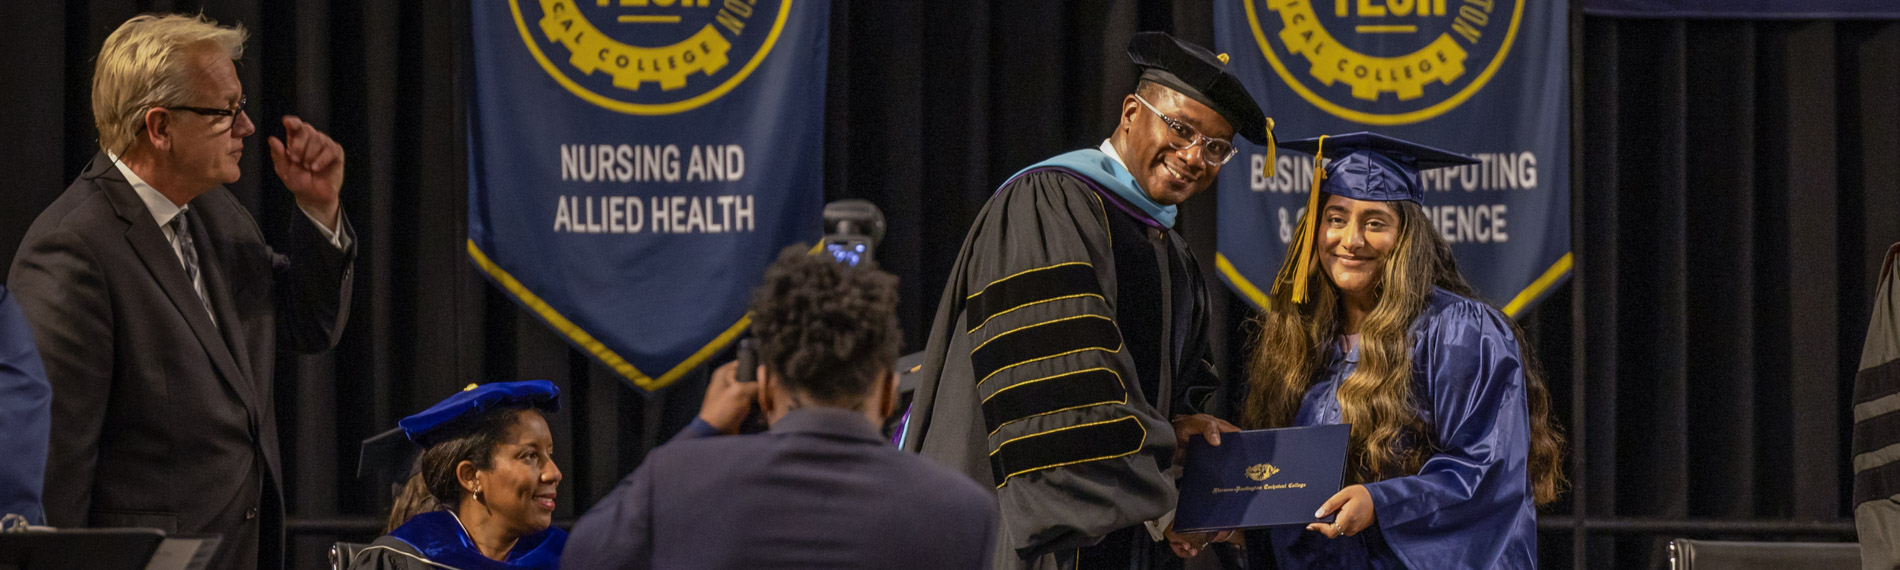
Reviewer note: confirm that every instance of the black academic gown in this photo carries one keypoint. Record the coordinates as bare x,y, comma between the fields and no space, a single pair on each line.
1071,321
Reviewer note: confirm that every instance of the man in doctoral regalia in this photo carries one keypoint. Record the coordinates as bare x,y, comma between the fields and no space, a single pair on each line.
1063,363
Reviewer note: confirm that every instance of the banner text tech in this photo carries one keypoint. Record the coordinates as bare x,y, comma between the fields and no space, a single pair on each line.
692,214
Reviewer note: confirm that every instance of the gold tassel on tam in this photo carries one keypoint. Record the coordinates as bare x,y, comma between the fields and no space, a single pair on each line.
1290,284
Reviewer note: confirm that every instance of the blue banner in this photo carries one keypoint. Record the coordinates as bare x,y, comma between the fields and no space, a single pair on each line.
1489,78
1746,9
634,165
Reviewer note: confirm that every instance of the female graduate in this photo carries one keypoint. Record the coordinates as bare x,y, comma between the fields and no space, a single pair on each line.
1370,324
482,496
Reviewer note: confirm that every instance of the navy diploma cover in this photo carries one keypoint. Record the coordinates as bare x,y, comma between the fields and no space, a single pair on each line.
1261,478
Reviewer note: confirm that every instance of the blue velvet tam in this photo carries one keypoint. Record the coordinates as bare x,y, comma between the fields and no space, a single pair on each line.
1371,166
439,420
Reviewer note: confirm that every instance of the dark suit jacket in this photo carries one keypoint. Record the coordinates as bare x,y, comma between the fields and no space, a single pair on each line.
160,417
821,489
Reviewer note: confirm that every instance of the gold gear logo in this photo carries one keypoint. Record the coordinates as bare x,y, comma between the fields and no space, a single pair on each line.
617,64
1425,52
1262,471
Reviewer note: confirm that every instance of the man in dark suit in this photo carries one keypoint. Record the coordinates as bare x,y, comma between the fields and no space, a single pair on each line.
822,488
158,306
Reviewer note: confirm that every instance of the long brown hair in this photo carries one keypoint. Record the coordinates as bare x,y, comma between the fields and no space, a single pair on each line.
1389,439
432,483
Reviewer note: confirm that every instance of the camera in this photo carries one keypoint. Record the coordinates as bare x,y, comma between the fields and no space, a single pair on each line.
748,360
853,229
849,251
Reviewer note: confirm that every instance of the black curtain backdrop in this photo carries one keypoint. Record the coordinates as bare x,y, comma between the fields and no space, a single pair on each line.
1737,181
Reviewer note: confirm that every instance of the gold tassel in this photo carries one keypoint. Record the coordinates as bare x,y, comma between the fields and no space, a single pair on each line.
1298,270
1273,152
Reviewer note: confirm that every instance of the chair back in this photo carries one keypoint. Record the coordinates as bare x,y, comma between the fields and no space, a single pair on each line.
341,553
1686,554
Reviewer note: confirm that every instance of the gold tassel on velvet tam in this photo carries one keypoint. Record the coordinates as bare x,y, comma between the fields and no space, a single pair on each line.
1297,271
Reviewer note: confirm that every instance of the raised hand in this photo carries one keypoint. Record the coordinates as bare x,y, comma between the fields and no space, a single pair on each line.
311,165
727,399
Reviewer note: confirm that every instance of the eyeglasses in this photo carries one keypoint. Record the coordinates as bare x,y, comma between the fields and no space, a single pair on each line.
231,111
1213,151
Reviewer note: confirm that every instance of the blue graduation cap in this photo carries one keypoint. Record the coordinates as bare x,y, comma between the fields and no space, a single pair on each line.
1372,166
423,427
1365,166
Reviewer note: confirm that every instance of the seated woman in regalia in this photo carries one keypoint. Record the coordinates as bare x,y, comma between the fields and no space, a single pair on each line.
482,494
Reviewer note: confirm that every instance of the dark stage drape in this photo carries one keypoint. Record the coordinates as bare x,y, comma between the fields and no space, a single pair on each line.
1738,180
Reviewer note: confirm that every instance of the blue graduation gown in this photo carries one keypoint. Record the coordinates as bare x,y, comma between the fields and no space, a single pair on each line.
440,539
1470,505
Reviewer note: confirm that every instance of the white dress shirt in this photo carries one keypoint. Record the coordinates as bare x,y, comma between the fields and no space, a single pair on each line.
1108,148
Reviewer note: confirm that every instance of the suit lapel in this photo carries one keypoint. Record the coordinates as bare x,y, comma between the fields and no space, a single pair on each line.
145,238
211,254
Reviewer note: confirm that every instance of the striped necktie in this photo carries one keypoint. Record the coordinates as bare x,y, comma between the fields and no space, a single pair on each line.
188,253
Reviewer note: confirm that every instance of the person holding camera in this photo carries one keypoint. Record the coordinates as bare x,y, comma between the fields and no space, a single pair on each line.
822,488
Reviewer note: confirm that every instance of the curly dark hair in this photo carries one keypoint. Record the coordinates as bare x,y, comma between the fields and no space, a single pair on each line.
827,329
